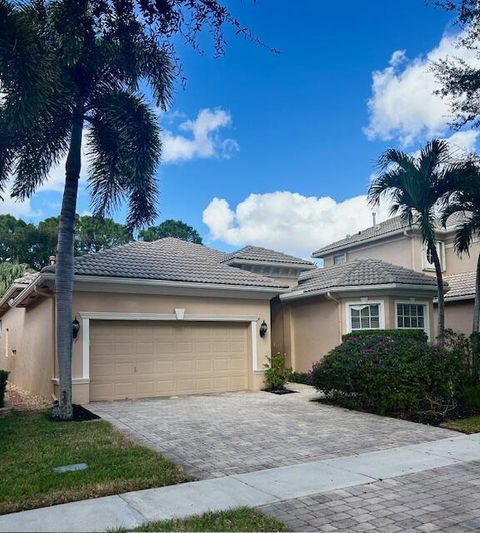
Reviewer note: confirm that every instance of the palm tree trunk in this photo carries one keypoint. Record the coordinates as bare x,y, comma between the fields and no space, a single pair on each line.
441,296
64,271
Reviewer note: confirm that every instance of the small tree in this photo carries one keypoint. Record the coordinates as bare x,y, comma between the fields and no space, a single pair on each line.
416,185
171,228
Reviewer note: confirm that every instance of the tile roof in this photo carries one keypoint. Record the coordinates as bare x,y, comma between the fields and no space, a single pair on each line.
167,259
259,254
461,285
391,225
360,272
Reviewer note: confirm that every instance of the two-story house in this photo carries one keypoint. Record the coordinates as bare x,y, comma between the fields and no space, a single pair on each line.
380,277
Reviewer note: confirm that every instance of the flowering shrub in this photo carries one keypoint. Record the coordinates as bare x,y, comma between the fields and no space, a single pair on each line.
391,373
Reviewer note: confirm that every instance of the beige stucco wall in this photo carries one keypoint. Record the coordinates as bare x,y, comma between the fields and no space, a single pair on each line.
150,303
27,347
314,326
458,316
398,251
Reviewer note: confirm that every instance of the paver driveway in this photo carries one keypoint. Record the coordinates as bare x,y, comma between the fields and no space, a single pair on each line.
225,434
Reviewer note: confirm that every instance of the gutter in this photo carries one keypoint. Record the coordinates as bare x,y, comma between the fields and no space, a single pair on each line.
149,283
355,288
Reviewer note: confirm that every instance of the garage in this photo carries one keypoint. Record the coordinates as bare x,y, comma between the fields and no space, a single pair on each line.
141,359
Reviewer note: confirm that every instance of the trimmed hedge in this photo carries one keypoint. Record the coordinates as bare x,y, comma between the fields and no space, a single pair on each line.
3,385
415,334
299,377
391,372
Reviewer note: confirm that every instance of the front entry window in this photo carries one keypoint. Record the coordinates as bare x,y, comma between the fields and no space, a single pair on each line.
365,316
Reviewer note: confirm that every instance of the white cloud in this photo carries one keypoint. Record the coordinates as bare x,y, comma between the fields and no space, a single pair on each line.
403,105
463,141
288,221
11,206
202,139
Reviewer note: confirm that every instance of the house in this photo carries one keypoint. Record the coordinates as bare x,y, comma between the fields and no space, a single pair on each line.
397,243
156,319
171,317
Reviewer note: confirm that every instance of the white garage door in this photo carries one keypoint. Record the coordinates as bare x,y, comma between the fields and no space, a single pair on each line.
134,359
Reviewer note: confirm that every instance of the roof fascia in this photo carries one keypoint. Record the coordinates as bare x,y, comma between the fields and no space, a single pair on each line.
295,295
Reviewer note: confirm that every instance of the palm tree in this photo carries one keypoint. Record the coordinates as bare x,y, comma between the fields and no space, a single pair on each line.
72,71
416,184
464,197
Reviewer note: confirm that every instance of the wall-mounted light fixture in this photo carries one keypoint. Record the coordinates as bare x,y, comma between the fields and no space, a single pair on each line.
263,329
75,328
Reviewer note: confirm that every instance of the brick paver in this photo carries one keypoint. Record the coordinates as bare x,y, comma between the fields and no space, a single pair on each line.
442,499
219,435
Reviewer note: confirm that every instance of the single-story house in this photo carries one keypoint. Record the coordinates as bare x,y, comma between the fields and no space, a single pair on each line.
156,319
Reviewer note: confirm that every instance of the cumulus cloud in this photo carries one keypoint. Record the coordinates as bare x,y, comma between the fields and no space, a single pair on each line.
200,138
11,206
403,105
288,221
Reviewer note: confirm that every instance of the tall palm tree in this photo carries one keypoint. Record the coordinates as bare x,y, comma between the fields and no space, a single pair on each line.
73,71
416,184
464,198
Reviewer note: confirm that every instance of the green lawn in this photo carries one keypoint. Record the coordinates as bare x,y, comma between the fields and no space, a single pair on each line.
31,446
242,519
466,425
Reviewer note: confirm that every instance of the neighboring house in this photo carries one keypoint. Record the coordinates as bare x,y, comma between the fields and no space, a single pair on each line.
156,319
399,244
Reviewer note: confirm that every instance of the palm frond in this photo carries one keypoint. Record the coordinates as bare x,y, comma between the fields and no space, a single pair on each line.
463,237
124,149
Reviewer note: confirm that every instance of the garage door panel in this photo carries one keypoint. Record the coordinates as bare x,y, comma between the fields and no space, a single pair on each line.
135,359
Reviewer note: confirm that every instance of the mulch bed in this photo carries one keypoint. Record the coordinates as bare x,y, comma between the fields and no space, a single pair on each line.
80,414
280,391
22,400
429,419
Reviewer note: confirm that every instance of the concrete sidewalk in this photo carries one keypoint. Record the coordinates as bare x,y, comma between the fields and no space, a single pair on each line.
253,489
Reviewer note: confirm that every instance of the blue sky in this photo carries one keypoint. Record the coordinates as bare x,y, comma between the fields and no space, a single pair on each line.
278,149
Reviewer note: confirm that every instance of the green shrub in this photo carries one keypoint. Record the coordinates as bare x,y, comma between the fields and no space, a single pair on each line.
3,386
471,396
276,372
391,373
299,377
416,334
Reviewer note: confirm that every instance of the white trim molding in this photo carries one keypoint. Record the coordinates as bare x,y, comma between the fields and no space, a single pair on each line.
86,316
75,381
364,301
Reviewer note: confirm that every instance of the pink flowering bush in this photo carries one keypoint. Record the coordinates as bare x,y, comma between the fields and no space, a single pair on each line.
391,372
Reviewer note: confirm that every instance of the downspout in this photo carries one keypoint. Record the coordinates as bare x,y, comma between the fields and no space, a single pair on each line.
339,317
410,236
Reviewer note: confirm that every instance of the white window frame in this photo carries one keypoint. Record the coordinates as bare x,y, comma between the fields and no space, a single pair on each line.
381,313
426,326
441,254
343,259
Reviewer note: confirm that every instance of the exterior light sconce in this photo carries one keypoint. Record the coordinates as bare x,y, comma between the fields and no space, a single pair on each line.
75,328
263,329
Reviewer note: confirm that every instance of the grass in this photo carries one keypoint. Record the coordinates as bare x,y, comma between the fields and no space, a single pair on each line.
241,519
31,446
465,425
